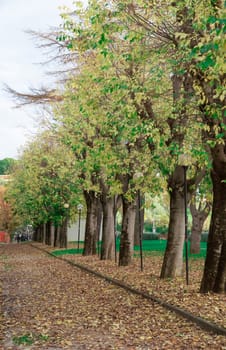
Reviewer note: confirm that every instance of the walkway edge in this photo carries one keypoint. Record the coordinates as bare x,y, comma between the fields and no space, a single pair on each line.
201,322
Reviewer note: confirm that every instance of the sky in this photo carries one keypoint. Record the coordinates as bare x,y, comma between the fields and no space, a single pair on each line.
20,66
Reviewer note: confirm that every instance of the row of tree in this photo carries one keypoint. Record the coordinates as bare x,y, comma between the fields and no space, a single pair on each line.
142,98
7,221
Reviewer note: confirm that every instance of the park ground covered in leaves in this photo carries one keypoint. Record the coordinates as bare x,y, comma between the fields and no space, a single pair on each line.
48,304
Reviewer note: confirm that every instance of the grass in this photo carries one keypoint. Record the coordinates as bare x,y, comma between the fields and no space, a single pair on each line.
67,251
26,339
159,246
150,247
29,339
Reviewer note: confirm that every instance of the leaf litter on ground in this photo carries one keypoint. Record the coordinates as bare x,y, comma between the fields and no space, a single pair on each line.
50,305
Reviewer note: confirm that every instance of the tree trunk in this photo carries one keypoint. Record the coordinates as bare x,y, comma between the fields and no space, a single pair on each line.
37,234
52,234
44,234
57,234
92,223
48,229
63,233
199,216
127,234
173,258
196,232
108,228
214,276
40,233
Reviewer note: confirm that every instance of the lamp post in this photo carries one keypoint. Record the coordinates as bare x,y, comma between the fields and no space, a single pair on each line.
140,231
184,161
138,176
115,227
185,167
79,207
66,207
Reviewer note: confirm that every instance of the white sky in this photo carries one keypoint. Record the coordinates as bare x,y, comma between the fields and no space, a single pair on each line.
19,66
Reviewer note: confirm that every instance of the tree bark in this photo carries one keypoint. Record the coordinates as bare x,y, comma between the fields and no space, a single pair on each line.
127,234
44,234
108,228
199,216
214,276
63,233
52,234
57,233
173,258
40,233
48,232
37,237
92,222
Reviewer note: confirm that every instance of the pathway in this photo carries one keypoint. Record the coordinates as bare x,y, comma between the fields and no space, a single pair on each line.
50,305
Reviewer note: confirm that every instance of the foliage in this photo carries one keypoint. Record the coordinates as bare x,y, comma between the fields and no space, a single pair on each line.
112,100
7,220
6,165
43,182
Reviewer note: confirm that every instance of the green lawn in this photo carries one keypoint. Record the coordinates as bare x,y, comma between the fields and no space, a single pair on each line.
150,247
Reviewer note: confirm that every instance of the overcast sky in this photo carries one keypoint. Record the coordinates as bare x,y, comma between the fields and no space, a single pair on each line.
19,66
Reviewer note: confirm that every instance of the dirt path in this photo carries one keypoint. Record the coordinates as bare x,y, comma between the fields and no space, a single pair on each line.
47,304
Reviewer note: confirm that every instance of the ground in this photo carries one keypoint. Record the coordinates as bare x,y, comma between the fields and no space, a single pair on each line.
50,305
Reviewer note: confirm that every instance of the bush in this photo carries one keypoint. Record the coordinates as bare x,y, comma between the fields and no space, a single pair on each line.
150,236
148,228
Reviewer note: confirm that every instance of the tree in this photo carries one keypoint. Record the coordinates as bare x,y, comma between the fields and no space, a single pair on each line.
148,80
175,122
200,206
6,165
196,33
209,79
113,141
42,187
6,219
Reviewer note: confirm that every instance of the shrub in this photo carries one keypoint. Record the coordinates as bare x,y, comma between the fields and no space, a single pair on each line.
150,236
